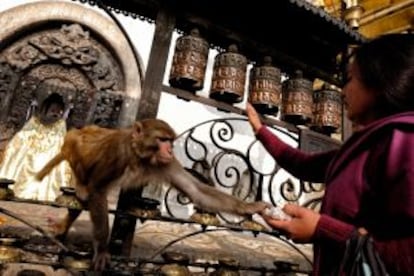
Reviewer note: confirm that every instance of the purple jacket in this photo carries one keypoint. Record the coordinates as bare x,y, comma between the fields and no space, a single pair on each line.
369,183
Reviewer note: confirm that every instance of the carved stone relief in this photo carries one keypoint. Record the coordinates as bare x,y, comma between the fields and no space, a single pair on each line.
63,52
65,61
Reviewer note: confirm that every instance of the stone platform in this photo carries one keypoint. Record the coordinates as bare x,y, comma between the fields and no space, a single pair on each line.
249,250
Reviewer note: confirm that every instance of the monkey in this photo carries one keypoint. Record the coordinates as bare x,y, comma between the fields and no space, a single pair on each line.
131,157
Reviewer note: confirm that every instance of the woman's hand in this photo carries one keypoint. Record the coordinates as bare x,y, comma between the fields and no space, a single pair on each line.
301,227
253,117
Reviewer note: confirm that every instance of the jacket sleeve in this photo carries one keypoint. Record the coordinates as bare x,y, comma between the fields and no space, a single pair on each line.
305,166
397,254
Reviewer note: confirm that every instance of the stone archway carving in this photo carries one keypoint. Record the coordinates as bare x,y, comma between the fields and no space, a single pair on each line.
74,51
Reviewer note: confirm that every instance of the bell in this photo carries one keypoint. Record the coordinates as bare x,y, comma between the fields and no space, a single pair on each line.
143,207
227,267
286,268
5,192
297,100
205,218
229,76
327,110
9,254
177,265
189,62
252,225
77,264
265,87
68,199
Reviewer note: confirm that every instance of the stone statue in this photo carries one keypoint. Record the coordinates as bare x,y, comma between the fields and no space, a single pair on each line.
31,147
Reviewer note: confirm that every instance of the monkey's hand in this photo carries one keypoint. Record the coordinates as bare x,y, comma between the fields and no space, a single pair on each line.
101,260
254,207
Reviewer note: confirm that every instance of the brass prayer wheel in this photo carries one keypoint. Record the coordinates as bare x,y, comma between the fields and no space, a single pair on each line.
205,218
189,62
69,199
229,76
227,267
297,102
177,265
77,264
265,87
327,110
9,254
5,192
143,207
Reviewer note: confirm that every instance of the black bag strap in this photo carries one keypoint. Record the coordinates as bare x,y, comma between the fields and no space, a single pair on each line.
370,256
360,257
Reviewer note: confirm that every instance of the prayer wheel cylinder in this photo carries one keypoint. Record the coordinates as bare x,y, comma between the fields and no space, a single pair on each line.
327,109
189,62
176,265
297,102
265,87
229,76
227,267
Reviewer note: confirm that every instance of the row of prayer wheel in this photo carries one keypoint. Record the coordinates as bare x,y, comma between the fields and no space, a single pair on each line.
298,103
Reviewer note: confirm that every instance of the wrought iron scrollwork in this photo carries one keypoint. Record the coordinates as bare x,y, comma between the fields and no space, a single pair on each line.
229,157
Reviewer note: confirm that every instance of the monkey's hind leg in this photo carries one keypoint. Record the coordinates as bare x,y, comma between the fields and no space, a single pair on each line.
82,193
61,228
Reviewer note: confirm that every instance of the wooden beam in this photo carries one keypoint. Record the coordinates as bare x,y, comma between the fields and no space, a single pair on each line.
381,13
372,6
225,107
403,19
151,92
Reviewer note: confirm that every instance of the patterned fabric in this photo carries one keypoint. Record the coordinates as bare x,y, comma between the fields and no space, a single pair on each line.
27,152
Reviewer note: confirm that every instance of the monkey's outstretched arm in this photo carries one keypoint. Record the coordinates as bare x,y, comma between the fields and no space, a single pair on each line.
208,197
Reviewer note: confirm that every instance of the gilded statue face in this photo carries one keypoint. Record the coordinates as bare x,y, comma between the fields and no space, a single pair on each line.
52,114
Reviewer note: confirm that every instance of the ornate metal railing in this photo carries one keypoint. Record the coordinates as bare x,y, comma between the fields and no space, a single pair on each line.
226,155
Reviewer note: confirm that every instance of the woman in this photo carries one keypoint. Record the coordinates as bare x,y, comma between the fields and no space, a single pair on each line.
370,179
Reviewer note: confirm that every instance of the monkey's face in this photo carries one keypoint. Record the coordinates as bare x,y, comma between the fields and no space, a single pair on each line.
152,141
164,154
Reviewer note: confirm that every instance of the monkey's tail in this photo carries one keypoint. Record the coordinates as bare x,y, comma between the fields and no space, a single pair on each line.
49,166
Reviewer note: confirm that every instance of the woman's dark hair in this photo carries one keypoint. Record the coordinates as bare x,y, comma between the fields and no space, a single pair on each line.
386,65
